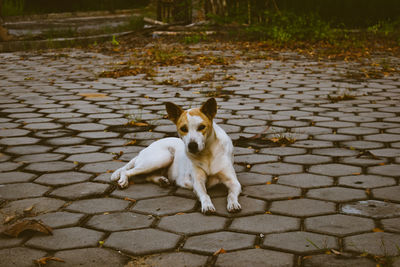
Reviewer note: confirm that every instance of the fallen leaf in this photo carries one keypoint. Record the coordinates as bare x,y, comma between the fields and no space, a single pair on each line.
44,260
130,199
93,95
180,213
130,143
256,246
9,218
376,229
28,209
34,225
268,212
334,251
219,251
109,171
101,243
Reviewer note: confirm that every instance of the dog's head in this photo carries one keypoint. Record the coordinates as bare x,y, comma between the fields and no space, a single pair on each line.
195,125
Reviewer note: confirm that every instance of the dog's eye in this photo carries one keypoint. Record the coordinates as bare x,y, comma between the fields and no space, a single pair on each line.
184,129
201,127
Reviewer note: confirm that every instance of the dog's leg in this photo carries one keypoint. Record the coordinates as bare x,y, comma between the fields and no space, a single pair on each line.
117,174
158,179
199,187
147,162
229,179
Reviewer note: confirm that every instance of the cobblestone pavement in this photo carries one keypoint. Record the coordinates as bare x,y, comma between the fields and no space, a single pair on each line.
333,185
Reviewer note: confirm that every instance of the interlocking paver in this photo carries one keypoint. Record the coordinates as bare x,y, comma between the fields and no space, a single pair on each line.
387,193
337,194
60,219
334,169
192,223
171,260
333,260
22,190
305,180
66,238
164,205
98,205
300,242
210,243
15,177
265,223
338,224
271,191
62,178
80,190
20,256
302,207
255,257
140,191
382,244
119,221
144,241
372,208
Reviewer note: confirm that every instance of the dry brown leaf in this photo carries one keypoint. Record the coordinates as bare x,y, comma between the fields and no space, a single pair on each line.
130,143
336,252
44,260
219,251
9,218
93,95
38,226
130,199
180,213
376,229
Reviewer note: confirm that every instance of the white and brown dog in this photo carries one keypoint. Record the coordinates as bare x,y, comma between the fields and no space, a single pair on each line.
202,157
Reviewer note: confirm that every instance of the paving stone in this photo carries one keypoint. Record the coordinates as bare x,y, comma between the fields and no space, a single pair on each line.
265,223
386,138
381,244
66,238
8,241
100,167
277,168
255,158
170,260
62,178
20,256
271,191
22,190
165,205
283,151
305,180
65,141
43,157
249,206
250,178
337,261
90,157
15,177
42,126
50,166
386,170
337,194
80,190
9,166
98,135
334,169
300,242
338,224
191,223
90,257
372,208
77,149
366,181
302,207
98,205
358,131
307,159
137,242
141,191
24,150
38,205
335,137
14,141
119,221
312,144
387,193
256,258
361,161
60,219
13,132
365,145
85,127
210,243
392,225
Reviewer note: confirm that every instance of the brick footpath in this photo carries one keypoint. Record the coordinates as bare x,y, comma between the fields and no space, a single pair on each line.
336,186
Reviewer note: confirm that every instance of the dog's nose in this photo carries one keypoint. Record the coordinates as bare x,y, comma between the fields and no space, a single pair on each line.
193,148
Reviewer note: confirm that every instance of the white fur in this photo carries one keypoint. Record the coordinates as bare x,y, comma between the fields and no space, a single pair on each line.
213,165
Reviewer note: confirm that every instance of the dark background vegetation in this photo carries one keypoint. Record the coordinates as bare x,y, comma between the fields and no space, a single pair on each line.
349,13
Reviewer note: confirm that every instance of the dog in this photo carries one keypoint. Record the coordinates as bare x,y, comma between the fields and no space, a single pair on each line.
200,158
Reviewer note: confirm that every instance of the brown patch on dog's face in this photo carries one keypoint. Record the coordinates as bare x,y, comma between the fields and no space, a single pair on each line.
195,125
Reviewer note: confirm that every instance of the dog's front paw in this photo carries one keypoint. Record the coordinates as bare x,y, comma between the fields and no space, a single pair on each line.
234,207
207,208
123,180
115,176
164,182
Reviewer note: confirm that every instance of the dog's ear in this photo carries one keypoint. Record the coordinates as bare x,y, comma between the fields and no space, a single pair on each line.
174,111
209,108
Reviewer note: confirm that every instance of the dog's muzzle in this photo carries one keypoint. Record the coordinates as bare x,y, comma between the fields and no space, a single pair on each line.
193,147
